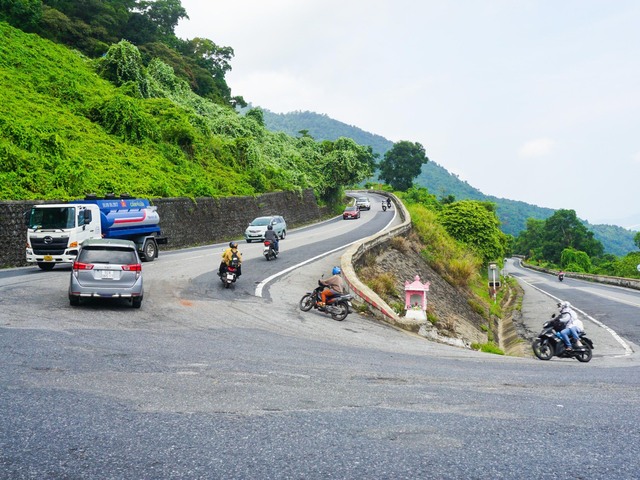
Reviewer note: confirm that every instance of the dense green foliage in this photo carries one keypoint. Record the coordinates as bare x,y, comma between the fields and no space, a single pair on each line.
92,26
563,242
65,131
546,240
476,224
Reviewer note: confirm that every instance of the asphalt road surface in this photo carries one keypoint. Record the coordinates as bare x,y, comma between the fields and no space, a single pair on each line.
210,383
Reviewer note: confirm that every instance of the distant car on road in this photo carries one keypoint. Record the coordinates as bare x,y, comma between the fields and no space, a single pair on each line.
258,227
107,268
363,203
351,212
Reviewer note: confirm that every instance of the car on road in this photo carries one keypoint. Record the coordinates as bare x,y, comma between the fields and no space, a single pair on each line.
258,227
363,203
107,268
351,212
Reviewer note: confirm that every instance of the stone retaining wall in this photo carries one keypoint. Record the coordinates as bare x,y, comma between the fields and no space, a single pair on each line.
185,222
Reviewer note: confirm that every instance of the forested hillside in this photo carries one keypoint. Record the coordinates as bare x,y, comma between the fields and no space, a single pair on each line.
513,214
70,125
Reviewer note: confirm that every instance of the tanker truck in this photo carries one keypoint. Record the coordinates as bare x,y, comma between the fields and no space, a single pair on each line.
55,231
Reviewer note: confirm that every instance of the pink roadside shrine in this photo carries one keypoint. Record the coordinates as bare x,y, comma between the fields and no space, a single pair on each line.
416,298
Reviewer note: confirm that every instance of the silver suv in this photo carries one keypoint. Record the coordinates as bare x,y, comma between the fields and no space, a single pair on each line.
107,268
258,227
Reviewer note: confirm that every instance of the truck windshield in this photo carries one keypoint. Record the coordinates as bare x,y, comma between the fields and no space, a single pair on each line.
47,218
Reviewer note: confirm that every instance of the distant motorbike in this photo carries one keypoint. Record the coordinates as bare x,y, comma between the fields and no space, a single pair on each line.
337,306
269,250
386,204
230,274
550,344
561,276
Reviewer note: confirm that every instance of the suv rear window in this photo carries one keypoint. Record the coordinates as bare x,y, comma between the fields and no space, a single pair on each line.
115,255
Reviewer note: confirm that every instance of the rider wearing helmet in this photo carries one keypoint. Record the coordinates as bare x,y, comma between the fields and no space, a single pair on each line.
334,286
571,325
272,236
228,255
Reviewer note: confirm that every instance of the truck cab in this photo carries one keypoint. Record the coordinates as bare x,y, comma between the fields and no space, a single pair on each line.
55,231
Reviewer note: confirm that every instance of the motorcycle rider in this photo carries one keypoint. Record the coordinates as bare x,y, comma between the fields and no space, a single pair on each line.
227,257
571,325
273,238
388,202
334,286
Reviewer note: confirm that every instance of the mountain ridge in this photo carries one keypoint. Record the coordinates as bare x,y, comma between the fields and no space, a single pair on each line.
513,214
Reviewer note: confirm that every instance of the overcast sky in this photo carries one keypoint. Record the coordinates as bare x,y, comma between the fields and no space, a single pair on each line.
531,100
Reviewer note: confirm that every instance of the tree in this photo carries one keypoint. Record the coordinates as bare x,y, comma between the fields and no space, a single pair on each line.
23,14
530,239
636,239
476,224
343,163
564,230
401,164
575,261
165,14
122,64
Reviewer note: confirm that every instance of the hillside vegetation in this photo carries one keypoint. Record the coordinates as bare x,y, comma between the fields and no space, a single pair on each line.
513,214
66,131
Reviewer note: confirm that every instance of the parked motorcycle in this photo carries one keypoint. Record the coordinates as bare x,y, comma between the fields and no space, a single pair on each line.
550,344
337,306
269,250
230,275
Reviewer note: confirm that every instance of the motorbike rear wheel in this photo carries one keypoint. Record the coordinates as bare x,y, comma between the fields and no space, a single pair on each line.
542,349
584,355
306,302
339,311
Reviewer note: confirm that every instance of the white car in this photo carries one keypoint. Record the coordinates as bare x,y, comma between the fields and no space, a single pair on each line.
363,203
258,227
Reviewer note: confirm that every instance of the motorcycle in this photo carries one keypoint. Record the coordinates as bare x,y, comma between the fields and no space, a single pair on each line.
561,276
269,251
230,274
337,306
549,344
386,204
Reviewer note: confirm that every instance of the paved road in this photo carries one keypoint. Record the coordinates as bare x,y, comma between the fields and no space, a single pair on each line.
205,383
611,315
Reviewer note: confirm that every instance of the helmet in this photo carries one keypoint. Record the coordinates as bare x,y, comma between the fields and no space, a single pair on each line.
233,244
270,227
336,270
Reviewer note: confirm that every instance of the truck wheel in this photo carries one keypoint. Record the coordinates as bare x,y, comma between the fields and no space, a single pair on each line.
150,250
46,265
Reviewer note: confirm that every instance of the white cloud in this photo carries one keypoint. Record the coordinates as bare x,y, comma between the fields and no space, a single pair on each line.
536,148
